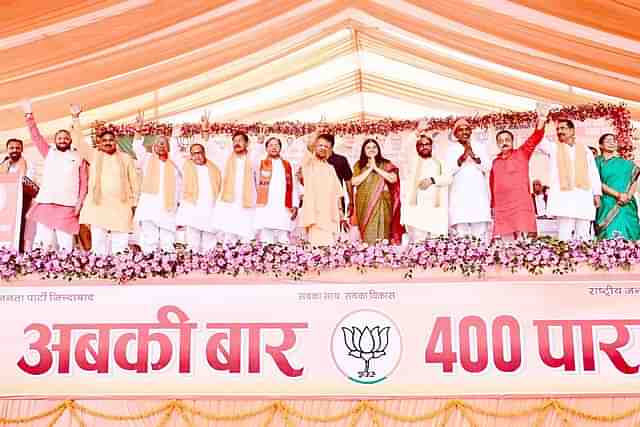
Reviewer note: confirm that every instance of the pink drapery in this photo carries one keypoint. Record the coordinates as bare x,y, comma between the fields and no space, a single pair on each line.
469,412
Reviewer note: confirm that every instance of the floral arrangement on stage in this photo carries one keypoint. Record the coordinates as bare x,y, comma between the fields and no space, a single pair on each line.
465,256
619,116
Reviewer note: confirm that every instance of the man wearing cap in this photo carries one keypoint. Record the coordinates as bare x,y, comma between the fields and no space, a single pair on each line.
468,163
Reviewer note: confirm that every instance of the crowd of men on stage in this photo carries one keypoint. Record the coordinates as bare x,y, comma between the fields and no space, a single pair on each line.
238,193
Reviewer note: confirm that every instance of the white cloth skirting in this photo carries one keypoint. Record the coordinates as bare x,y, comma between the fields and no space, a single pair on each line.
234,219
151,208
274,218
199,216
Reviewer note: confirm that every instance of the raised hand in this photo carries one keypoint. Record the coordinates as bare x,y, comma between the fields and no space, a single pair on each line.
139,120
75,110
26,106
424,184
204,120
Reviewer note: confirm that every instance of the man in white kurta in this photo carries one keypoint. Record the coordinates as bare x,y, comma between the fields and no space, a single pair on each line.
469,203
425,209
156,211
201,186
575,187
236,207
277,205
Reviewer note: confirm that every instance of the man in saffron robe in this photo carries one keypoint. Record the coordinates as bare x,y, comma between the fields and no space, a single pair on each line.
514,212
113,190
322,192
236,207
617,215
201,181
62,190
277,196
468,163
425,211
156,210
575,188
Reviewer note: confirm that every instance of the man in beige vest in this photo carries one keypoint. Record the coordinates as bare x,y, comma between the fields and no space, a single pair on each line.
113,190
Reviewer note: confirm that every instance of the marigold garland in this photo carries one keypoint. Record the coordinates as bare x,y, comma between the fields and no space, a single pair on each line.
361,410
619,116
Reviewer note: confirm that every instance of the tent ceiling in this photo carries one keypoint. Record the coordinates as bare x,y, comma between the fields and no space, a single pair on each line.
274,59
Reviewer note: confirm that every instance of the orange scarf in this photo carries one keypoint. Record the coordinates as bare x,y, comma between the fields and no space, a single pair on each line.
190,177
22,167
125,189
229,182
151,181
565,168
266,168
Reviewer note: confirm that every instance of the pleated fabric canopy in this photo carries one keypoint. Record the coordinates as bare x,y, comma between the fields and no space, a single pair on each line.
266,60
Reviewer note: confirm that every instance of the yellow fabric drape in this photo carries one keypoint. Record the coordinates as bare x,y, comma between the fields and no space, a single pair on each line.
184,69
191,188
386,45
494,412
171,58
124,95
612,16
151,181
516,59
566,168
229,182
542,39
19,17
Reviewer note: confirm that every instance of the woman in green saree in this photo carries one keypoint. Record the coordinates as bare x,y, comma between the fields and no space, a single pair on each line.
377,201
618,212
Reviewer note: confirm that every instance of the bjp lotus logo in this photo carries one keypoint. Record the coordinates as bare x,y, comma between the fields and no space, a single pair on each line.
366,346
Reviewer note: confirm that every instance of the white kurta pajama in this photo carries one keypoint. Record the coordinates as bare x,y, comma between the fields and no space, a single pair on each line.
469,202
273,220
157,224
574,209
430,215
198,218
231,218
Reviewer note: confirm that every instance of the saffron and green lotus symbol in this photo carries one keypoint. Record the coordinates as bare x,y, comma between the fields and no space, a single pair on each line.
366,344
